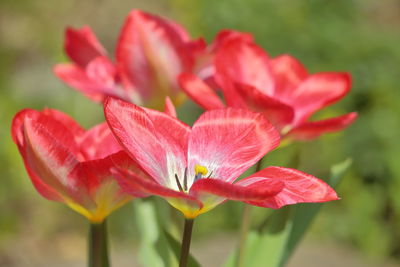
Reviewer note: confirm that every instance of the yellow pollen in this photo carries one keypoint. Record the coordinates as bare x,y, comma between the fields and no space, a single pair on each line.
200,169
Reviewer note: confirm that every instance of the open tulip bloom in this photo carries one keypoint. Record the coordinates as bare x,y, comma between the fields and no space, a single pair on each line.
195,169
280,88
70,165
151,52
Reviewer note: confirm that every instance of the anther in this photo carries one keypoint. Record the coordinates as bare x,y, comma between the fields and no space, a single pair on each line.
199,171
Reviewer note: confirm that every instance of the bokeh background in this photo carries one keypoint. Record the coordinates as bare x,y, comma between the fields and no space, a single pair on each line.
359,36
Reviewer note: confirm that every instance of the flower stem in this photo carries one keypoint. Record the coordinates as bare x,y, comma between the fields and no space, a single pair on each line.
245,226
187,236
98,248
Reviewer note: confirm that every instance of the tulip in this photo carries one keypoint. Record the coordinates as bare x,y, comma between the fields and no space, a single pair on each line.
151,52
280,88
71,165
194,168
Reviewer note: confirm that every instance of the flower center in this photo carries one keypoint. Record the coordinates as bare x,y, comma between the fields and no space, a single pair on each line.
199,171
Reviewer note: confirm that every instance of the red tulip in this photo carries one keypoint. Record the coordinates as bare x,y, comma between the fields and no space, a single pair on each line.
279,88
68,164
151,52
194,168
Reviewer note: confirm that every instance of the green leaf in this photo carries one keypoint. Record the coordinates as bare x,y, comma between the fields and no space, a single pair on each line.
146,221
263,249
273,240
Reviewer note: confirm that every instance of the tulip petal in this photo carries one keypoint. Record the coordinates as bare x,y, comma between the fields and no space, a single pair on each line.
102,187
17,133
156,140
78,79
98,142
200,92
299,187
235,191
131,182
50,153
69,123
102,70
82,46
151,53
225,36
229,141
173,132
99,171
317,91
276,112
244,62
288,73
313,129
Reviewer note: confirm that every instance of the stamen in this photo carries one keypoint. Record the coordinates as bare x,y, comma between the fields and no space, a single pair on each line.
197,177
210,174
185,180
178,183
199,171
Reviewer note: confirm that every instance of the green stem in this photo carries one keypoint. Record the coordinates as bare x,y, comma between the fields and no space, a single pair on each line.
98,248
245,226
187,236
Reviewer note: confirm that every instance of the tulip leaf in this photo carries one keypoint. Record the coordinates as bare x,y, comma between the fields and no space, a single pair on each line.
261,248
272,241
148,231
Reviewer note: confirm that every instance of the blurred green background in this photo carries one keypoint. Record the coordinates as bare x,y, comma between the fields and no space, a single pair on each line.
359,36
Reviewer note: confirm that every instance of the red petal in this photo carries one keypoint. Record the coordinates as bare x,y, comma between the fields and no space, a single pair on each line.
66,120
288,73
169,107
236,192
151,53
200,92
102,70
98,172
225,36
49,152
78,79
98,142
17,132
132,183
317,91
312,130
299,187
246,63
229,141
82,46
152,138
277,112
171,131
